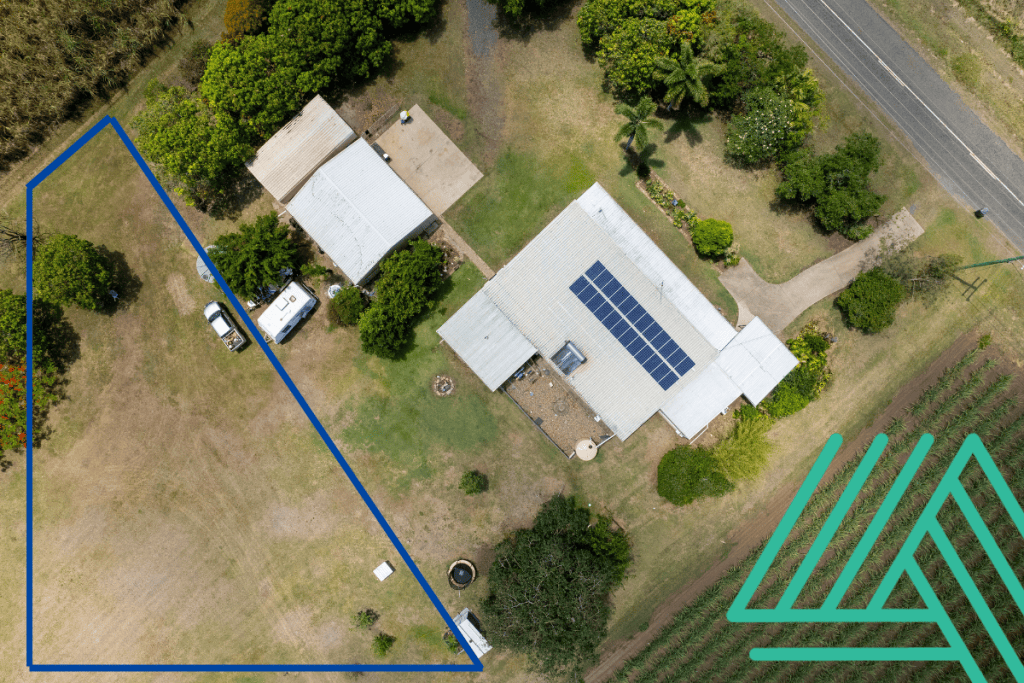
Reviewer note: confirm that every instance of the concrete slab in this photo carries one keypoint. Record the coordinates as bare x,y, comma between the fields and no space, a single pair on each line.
428,161
779,305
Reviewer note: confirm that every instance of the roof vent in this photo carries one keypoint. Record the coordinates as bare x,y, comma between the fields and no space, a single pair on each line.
568,358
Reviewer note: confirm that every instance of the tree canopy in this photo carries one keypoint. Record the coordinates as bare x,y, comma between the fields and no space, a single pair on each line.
550,585
638,120
763,131
711,237
871,300
836,184
687,473
254,256
407,281
69,270
628,56
51,333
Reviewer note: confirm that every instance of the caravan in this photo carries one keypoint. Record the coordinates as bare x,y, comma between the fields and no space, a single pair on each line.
292,305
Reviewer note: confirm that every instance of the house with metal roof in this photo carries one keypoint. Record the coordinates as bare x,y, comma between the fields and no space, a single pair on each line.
358,210
287,160
632,336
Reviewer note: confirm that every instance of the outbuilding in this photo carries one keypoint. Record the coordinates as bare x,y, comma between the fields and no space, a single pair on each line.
286,311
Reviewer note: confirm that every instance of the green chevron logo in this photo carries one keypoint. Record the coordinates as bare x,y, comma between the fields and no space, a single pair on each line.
926,524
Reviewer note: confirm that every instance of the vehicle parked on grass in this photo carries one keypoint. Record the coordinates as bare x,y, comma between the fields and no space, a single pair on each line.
222,325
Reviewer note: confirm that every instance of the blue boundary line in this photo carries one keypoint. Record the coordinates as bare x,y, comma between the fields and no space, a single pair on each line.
243,316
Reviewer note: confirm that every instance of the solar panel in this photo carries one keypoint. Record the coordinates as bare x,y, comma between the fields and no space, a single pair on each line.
632,325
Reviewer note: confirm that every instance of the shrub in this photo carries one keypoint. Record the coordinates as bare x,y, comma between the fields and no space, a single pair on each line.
784,401
408,279
747,412
345,308
69,270
807,380
473,483
365,619
193,64
870,302
451,642
763,131
744,453
382,643
643,170
628,56
254,256
984,341
687,473
711,237
243,18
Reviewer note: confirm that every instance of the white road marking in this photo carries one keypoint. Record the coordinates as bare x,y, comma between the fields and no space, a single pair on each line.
950,130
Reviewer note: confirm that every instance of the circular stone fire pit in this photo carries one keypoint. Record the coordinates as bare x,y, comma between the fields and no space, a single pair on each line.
461,574
443,385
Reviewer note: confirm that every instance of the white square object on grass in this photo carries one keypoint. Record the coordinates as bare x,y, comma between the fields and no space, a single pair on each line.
383,571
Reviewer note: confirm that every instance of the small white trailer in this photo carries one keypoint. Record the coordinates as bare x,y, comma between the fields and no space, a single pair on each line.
293,303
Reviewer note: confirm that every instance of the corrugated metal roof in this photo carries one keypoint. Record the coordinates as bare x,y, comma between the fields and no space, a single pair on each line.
486,340
656,266
700,401
358,210
756,360
533,291
293,154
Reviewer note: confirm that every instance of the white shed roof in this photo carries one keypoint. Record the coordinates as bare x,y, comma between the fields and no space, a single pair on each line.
476,639
756,360
291,156
358,210
486,340
284,309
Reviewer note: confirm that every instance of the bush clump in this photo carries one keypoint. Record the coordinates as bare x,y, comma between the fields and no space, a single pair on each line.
473,483
365,619
193,64
711,237
871,300
345,308
807,380
382,643
243,18
687,473
70,270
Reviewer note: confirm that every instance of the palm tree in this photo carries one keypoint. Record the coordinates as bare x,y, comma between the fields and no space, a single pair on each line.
638,123
685,76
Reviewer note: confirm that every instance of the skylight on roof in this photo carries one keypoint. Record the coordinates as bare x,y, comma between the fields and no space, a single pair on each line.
568,358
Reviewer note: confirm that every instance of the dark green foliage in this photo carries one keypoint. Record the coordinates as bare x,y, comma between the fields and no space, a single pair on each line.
364,619
985,340
870,302
193,64
199,153
686,76
607,542
451,642
629,56
836,184
345,308
473,482
408,279
747,412
599,18
711,237
51,333
382,643
807,380
69,270
764,130
244,18
643,170
56,55
518,10
550,586
254,256
753,54
638,120
687,473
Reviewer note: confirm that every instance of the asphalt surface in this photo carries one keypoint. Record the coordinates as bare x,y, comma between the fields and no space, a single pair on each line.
970,161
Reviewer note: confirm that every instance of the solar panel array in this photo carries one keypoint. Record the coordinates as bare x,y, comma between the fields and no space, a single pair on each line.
632,325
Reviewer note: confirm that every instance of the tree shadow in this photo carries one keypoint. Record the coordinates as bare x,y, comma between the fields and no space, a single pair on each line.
685,124
538,19
243,191
63,343
125,282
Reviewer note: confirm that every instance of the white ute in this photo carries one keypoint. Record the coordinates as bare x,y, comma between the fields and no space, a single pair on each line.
218,319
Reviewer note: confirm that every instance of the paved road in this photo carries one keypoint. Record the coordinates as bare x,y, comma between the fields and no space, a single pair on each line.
970,161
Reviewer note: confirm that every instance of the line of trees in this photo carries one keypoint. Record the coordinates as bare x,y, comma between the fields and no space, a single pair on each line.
257,77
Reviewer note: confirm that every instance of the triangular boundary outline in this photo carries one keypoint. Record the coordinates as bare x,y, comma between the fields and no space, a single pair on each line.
927,523
310,415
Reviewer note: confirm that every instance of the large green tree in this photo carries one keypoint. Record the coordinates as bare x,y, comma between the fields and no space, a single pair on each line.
14,403
684,77
628,56
550,585
50,331
69,270
408,279
871,300
638,120
254,256
763,131
836,184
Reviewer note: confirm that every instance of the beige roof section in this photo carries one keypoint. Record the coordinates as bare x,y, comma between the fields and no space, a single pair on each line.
292,155
428,161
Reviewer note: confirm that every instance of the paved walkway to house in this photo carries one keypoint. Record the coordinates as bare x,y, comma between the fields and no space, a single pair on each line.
448,232
779,305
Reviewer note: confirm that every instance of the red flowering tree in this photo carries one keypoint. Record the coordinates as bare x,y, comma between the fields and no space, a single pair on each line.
13,402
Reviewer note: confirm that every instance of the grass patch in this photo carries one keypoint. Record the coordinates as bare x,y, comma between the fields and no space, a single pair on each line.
444,101
967,69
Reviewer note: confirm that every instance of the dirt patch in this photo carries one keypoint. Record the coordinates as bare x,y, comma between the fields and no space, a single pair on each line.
442,386
183,301
453,258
